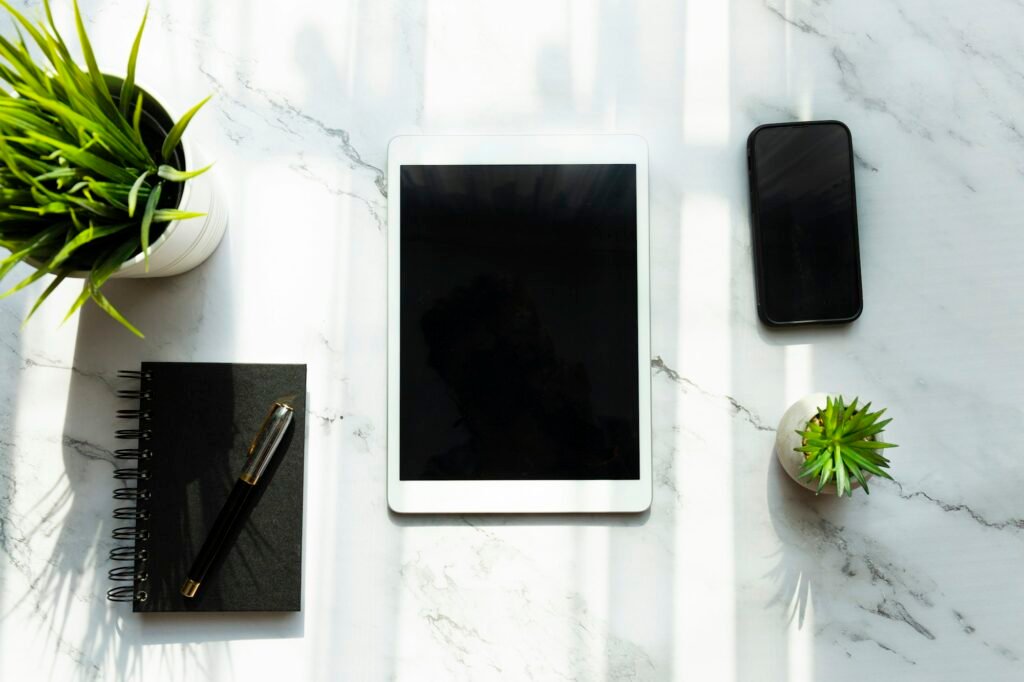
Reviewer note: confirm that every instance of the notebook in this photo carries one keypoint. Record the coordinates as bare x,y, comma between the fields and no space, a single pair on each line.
195,422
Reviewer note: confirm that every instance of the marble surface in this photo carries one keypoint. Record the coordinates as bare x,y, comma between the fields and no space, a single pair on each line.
735,573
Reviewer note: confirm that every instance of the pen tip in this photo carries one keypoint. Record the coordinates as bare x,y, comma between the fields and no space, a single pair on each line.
288,400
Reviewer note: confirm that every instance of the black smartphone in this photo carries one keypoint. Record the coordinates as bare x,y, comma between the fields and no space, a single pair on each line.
804,220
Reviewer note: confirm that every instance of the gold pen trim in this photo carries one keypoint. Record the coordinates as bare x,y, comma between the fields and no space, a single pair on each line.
263,427
190,588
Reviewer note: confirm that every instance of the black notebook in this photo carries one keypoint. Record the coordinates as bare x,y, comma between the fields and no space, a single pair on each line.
195,424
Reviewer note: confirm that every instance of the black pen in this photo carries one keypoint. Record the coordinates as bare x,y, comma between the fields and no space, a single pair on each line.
262,449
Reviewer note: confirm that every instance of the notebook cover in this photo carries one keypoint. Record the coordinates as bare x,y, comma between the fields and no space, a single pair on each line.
203,416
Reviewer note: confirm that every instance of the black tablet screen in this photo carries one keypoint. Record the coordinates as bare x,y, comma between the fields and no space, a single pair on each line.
518,342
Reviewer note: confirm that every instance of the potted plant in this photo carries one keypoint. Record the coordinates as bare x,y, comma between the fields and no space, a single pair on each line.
97,181
830,446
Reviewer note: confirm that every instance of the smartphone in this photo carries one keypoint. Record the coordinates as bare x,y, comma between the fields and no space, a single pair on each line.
804,221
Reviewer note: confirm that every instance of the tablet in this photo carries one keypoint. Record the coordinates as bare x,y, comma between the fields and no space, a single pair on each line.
518,324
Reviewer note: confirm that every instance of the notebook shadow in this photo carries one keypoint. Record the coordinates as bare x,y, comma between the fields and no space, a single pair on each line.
197,628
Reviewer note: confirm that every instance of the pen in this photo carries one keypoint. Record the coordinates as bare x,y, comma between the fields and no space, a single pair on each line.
260,452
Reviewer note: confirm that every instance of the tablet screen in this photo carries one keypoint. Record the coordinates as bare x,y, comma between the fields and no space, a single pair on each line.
518,345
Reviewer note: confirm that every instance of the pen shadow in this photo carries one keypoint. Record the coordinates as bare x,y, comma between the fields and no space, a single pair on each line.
209,598
195,627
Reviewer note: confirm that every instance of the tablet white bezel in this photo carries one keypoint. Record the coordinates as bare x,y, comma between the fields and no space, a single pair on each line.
414,497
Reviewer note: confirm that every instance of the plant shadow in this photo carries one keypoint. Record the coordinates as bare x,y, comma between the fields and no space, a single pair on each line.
172,312
807,526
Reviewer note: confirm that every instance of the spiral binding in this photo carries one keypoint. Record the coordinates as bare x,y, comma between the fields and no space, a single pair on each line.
130,571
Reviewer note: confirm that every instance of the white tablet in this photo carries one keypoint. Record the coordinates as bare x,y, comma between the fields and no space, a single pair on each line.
518,324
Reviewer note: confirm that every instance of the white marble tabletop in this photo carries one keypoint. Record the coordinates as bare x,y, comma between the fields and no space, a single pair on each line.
735,573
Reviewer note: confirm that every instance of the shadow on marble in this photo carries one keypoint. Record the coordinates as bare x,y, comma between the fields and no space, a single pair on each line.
196,628
793,510
512,520
796,336
170,311
11,352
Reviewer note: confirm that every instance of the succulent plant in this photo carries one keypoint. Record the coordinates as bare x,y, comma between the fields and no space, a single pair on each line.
81,175
840,443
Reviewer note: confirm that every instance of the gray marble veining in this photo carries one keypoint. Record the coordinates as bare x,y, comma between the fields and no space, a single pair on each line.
735,573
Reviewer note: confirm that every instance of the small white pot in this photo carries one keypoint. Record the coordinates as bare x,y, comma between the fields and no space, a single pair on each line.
787,440
184,244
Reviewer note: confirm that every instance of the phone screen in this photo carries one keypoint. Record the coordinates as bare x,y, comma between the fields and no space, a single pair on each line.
805,223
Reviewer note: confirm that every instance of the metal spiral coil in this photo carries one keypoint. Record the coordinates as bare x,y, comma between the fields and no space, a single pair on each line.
131,514
134,374
131,573
133,474
134,393
133,434
130,494
127,593
126,553
133,453
124,574
130,533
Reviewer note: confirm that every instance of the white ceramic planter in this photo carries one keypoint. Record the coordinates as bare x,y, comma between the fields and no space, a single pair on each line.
787,439
185,244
